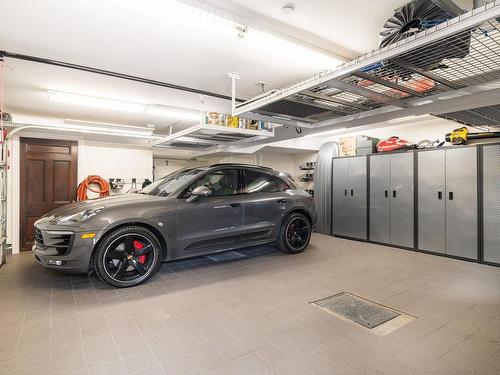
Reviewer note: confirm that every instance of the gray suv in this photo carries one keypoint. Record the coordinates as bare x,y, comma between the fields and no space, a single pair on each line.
191,212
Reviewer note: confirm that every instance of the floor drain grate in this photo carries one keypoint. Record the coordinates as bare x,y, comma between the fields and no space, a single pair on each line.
348,306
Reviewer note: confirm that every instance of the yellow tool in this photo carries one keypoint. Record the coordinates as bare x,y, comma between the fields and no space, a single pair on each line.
460,136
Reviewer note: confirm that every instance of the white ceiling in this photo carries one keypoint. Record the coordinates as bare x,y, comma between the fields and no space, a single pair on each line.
353,25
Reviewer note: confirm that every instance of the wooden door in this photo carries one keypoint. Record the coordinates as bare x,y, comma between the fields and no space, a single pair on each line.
48,180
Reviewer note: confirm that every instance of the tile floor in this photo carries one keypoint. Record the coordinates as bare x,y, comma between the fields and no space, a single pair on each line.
252,316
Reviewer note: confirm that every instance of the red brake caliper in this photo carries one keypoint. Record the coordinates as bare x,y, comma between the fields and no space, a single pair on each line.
137,246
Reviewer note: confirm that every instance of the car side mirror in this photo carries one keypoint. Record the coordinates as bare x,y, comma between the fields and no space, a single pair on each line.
200,191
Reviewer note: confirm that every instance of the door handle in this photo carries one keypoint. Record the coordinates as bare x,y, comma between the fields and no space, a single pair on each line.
394,193
386,193
345,192
352,192
450,195
282,201
235,204
440,195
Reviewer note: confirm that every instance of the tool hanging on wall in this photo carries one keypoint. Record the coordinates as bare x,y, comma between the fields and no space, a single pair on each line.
116,183
461,135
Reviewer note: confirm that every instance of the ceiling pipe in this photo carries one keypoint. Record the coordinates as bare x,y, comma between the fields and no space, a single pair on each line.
110,73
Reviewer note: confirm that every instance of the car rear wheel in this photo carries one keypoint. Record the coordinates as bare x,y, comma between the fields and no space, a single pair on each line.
127,256
295,233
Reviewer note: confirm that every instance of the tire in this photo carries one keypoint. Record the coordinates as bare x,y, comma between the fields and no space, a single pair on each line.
285,243
127,256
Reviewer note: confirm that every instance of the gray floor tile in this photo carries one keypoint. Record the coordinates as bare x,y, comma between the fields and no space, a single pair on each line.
253,316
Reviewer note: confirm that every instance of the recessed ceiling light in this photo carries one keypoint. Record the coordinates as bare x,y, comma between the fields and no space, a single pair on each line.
288,9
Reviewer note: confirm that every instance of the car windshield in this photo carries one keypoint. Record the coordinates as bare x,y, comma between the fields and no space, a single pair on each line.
168,184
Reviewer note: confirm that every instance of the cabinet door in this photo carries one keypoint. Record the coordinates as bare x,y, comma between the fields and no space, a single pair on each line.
461,202
380,203
340,200
358,197
431,201
491,203
402,220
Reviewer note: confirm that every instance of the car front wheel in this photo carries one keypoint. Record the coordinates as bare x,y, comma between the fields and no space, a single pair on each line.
127,256
295,233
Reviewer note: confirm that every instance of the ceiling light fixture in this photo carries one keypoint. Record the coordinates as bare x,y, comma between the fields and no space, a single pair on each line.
405,118
107,128
174,113
338,130
91,101
123,106
288,9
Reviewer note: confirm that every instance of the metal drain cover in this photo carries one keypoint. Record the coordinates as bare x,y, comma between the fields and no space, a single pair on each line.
368,314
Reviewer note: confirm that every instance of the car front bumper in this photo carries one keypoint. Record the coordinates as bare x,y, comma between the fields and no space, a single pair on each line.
63,248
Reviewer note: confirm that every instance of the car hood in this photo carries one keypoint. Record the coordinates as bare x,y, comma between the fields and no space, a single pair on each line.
108,202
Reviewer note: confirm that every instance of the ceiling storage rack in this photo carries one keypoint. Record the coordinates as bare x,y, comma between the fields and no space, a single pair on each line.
203,137
458,56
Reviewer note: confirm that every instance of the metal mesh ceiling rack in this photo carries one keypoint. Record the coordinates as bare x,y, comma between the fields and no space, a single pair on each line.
205,137
461,53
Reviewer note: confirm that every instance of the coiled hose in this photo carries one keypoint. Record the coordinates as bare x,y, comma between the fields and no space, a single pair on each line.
85,185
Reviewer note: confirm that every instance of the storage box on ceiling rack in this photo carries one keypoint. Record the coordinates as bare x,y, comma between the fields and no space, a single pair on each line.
221,119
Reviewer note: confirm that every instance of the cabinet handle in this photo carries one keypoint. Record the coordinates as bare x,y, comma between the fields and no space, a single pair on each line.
394,193
386,193
450,195
440,195
352,192
345,192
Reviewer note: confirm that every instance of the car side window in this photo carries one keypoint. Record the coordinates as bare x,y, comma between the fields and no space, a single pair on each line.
222,183
258,182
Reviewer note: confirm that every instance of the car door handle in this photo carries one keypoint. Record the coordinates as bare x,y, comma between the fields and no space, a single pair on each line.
281,200
235,204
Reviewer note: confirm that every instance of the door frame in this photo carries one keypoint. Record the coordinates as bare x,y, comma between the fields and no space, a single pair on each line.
14,179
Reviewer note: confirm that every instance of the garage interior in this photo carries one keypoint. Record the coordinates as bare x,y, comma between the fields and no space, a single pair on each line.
386,115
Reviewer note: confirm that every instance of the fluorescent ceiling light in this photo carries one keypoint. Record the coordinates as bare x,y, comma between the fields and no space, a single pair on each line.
91,101
106,128
405,118
338,130
123,106
175,113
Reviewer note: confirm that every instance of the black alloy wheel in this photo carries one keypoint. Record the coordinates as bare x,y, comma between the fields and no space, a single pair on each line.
295,233
127,257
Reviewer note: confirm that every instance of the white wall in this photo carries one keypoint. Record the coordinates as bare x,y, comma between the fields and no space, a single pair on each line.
106,160
115,161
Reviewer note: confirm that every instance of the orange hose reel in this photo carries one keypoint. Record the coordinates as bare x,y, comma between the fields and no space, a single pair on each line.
86,185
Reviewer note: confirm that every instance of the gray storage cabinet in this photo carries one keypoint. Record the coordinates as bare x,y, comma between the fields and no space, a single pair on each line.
392,199
447,201
491,203
349,197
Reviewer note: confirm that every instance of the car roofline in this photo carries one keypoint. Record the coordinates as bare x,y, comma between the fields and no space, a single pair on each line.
240,165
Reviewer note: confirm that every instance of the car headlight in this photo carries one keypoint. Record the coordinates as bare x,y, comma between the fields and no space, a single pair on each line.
78,217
